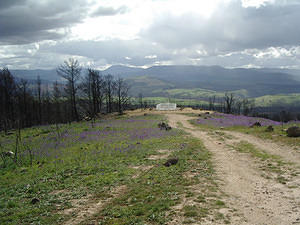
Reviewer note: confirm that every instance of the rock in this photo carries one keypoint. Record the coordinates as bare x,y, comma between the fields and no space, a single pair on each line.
293,131
164,125
161,125
171,162
168,127
269,129
256,124
34,201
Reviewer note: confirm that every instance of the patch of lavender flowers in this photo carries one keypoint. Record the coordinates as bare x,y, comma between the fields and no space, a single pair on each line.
111,135
229,120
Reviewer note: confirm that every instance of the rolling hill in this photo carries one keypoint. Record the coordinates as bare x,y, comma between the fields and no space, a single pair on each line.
194,82
256,82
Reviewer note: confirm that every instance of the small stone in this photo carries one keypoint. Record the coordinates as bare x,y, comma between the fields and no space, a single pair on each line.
293,131
171,162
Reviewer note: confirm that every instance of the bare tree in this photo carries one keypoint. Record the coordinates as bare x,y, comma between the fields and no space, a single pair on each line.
141,100
122,89
212,101
23,89
70,71
109,88
238,106
39,92
8,90
228,102
99,91
92,88
56,102
247,106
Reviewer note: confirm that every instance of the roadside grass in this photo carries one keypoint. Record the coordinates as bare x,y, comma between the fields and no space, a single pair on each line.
279,134
268,163
82,163
151,197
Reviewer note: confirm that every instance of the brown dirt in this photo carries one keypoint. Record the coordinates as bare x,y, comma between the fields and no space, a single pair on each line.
164,154
256,199
85,208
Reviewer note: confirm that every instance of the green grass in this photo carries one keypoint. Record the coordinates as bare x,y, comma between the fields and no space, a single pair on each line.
279,134
196,93
75,168
150,196
278,100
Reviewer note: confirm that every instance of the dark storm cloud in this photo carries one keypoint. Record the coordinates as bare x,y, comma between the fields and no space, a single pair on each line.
8,3
109,11
27,22
230,28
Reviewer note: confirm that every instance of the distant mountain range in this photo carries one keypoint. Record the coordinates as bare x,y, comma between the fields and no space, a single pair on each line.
156,80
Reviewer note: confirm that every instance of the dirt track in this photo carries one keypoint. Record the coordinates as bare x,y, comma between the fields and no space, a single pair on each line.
257,200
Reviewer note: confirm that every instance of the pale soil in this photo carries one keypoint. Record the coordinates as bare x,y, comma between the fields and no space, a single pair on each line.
164,154
257,200
85,208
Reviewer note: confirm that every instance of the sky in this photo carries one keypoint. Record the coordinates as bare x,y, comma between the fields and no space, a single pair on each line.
142,33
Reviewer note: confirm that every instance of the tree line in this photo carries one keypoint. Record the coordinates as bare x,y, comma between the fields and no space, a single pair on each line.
24,103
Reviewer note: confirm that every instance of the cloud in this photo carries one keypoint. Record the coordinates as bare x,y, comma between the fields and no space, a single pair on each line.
23,22
109,11
231,27
234,33
8,3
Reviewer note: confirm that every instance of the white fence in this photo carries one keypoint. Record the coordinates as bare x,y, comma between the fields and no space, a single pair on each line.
166,106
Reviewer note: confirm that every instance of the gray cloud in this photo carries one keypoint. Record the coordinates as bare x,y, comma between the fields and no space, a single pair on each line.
230,28
109,11
8,3
233,36
22,23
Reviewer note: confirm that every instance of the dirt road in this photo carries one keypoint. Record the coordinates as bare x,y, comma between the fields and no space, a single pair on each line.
257,200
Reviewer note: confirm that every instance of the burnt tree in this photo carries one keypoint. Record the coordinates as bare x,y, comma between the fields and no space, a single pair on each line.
70,71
